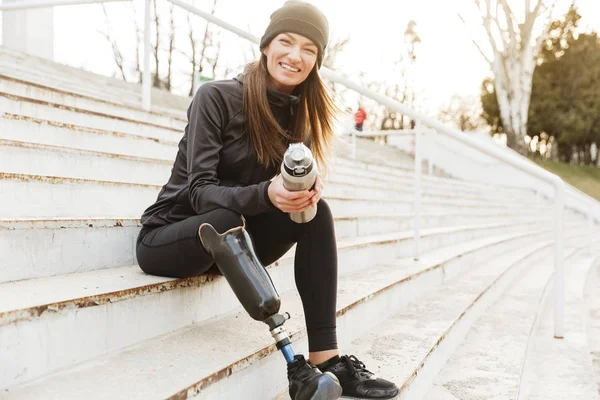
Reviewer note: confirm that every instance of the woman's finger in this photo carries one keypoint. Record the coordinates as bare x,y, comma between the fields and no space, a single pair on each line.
291,196
300,208
315,199
319,183
297,201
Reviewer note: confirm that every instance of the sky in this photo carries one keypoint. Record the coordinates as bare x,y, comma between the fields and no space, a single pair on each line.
448,62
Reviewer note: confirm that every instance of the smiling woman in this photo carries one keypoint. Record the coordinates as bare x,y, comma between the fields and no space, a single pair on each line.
225,211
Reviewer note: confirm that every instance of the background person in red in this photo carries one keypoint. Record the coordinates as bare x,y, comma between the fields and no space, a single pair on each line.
359,118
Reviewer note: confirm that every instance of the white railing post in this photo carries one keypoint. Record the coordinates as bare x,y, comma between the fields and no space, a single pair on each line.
353,144
417,203
146,83
559,268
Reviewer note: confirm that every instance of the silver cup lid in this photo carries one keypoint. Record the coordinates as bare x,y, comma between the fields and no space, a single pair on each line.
298,160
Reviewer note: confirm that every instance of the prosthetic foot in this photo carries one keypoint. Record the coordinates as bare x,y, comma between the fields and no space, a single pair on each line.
307,382
234,255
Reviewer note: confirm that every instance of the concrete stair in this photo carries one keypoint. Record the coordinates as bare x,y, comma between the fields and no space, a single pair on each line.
82,292
362,296
37,72
521,359
80,161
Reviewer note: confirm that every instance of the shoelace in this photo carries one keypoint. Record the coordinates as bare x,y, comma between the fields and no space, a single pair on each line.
357,367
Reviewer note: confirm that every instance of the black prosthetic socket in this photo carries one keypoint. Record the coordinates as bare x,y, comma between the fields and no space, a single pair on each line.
234,255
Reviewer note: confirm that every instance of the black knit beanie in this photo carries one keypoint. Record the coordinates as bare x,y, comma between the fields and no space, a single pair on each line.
299,17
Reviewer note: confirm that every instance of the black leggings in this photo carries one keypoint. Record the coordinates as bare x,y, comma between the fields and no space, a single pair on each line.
176,251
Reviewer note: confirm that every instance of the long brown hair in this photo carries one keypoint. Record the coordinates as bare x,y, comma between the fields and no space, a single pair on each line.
314,119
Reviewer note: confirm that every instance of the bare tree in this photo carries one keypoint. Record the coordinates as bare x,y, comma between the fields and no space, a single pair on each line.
118,56
464,112
216,44
139,38
168,79
156,78
391,119
334,49
205,51
198,57
515,43
403,89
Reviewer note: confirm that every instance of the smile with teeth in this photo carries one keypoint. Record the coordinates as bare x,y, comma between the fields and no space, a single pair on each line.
289,67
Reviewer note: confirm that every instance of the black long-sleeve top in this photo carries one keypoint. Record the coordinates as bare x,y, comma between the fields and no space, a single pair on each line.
216,165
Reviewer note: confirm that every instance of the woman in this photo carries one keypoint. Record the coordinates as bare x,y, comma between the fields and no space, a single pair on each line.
233,145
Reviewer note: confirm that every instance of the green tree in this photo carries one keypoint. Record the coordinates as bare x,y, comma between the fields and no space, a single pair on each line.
565,99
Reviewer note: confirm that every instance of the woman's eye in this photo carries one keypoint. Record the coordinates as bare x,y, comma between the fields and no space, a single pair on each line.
310,51
285,41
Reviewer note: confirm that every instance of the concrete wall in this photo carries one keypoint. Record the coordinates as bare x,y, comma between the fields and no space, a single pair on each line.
30,30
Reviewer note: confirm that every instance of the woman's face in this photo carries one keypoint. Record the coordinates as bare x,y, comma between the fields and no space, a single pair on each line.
290,58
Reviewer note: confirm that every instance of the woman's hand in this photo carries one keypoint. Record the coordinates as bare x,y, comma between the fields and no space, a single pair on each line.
293,202
317,191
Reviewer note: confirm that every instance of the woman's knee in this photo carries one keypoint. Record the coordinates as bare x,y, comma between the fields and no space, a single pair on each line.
323,211
223,219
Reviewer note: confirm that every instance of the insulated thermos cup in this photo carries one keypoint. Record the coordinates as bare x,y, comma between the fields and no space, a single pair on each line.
299,172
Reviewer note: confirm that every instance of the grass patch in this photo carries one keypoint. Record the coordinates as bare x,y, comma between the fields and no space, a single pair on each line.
584,178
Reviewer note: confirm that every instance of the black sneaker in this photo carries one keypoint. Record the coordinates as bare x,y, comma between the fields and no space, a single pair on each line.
308,383
358,382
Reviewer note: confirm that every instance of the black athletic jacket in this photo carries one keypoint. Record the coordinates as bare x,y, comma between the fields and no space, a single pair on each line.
216,165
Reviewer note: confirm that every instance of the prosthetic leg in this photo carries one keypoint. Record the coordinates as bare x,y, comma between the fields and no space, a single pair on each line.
234,255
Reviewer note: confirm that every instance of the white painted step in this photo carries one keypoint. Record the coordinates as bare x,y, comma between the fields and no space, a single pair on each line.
57,80
48,148
35,159
234,342
381,154
412,346
47,73
53,133
354,206
449,188
67,148
561,368
35,248
385,170
20,157
30,108
47,94
128,301
12,119
67,151
490,361
72,197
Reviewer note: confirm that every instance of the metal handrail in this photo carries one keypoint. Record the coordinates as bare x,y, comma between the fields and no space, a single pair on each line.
24,4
